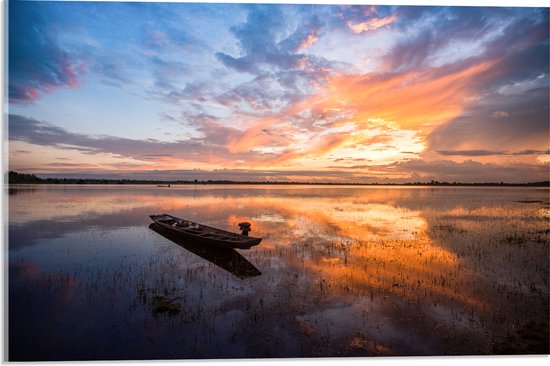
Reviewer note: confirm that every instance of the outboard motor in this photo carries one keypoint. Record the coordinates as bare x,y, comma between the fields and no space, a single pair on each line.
245,228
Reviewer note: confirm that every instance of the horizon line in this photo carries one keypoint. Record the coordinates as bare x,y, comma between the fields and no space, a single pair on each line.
29,177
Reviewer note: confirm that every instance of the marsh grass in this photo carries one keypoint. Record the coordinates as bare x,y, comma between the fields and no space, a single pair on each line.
344,272
162,304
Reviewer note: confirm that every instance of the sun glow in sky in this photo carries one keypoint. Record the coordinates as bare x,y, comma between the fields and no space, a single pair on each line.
339,93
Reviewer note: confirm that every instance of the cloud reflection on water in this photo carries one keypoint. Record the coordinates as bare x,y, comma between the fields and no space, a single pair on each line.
376,270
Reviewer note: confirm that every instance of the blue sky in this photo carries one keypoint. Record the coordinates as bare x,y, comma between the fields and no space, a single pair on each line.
278,92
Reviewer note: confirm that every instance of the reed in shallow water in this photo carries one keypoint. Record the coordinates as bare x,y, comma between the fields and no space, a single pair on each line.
344,272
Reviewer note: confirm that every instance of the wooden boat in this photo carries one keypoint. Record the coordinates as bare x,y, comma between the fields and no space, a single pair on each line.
228,258
205,234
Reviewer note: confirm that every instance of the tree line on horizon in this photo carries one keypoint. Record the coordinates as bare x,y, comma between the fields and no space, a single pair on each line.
24,178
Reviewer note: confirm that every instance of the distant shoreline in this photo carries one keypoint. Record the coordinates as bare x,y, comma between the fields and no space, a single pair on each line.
22,178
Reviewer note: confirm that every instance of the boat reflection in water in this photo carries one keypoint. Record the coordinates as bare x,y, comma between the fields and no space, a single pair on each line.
227,259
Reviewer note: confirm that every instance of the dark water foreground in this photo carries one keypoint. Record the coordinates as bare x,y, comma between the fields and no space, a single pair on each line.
341,271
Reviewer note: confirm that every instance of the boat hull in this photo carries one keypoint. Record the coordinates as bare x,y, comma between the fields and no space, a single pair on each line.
227,258
203,234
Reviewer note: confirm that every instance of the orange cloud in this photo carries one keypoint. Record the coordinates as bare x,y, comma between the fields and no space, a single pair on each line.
415,100
257,136
308,42
353,121
371,24
352,111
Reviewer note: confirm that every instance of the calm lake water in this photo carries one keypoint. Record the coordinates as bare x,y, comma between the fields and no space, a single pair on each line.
341,271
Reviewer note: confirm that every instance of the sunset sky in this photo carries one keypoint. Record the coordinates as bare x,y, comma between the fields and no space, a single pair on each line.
278,92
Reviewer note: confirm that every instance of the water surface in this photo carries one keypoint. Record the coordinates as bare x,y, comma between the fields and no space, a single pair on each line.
341,271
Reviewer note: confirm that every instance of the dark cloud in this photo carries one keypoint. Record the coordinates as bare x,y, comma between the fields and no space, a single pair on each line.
35,132
40,133
471,171
526,125
522,49
470,152
426,30
265,46
274,52
241,175
271,46
511,111
214,132
70,165
37,63
211,147
242,64
532,152
45,134
413,170
258,41
309,30
506,113
491,153
412,53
